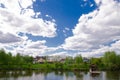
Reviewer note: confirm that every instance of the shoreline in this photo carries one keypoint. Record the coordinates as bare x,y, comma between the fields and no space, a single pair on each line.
74,69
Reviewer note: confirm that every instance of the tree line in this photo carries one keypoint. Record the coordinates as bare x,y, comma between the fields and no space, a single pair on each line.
109,61
7,61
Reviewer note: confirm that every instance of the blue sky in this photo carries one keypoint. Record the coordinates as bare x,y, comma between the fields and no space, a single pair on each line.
60,27
65,12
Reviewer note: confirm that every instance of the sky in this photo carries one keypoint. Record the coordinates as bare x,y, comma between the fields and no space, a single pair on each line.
60,27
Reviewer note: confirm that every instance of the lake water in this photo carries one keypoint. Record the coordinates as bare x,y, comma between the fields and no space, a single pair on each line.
57,75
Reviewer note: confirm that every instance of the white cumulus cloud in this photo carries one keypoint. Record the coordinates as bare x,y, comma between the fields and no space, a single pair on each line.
18,16
97,28
13,21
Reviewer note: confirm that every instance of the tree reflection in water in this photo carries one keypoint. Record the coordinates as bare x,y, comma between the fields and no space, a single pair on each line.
57,75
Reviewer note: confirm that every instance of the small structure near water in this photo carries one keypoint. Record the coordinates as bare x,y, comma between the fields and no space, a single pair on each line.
94,69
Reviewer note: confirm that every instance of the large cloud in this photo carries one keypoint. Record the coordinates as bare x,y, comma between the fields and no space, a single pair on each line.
33,48
97,28
100,52
17,17
30,47
8,38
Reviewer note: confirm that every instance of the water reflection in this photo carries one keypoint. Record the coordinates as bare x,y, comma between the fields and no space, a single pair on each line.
57,75
113,75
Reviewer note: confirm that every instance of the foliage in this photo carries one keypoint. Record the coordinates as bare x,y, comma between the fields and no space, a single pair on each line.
69,60
110,61
9,61
78,59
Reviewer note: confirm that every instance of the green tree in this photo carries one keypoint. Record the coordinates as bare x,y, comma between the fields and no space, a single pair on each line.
68,60
28,59
78,59
3,57
118,61
110,59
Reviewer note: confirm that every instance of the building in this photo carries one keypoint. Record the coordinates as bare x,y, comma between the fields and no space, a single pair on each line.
39,59
49,59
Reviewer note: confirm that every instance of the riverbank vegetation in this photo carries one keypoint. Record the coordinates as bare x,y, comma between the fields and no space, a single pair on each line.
109,61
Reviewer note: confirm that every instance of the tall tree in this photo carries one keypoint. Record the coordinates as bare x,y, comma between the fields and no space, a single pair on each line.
78,59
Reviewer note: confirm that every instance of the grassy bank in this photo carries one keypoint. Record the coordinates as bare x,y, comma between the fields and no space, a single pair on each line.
54,66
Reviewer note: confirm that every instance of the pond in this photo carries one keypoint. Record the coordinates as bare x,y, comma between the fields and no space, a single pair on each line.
58,75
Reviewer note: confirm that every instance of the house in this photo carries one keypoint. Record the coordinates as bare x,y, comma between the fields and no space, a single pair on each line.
62,61
39,59
48,59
